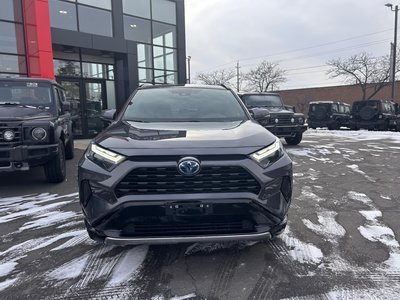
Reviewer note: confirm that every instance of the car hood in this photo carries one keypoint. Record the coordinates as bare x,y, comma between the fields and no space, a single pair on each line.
125,137
22,113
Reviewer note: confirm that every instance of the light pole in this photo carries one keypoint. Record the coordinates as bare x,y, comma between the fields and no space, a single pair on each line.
188,59
393,75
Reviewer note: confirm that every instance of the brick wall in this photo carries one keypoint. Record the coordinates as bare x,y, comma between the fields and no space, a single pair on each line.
300,98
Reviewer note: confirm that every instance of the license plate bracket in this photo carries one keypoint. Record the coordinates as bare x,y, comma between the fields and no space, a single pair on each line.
188,209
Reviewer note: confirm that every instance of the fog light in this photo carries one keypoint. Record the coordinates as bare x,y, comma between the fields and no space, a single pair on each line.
8,135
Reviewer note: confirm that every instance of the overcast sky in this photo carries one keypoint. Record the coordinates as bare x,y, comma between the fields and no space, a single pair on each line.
302,35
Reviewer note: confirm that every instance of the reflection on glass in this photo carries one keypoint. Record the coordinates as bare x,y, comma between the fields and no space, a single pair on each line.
93,70
72,93
159,76
136,29
144,56
164,11
164,35
12,64
145,75
94,106
140,8
63,15
171,78
11,10
106,4
95,21
67,68
170,61
11,38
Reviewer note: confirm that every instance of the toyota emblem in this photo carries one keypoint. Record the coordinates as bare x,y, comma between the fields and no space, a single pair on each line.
189,166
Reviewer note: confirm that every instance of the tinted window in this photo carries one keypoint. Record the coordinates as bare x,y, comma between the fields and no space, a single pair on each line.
184,105
144,56
25,95
106,4
164,35
67,68
63,15
95,21
12,64
11,38
140,8
137,29
11,10
262,100
164,11
357,106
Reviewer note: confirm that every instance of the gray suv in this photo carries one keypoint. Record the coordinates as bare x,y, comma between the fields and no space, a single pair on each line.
184,164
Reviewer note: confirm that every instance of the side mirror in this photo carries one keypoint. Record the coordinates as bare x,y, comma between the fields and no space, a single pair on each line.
108,115
66,106
259,114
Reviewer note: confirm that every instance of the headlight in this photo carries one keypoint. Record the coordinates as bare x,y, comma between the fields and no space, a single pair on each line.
39,134
268,155
300,120
104,158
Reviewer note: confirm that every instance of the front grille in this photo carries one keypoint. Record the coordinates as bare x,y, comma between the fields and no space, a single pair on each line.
283,119
200,227
146,181
16,128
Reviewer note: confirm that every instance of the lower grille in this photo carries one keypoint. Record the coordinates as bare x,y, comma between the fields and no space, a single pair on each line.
144,181
192,228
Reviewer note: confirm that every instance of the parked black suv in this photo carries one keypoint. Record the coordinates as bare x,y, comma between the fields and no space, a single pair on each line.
373,115
184,164
281,120
331,114
35,127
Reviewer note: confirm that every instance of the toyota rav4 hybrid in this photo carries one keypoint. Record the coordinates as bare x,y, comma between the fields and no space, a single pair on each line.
35,127
280,120
374,115
184,164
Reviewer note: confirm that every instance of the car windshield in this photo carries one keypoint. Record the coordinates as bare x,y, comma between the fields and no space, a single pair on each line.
27,94
262,100
181,104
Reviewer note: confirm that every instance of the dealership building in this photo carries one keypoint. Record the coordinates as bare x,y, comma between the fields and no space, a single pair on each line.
99,50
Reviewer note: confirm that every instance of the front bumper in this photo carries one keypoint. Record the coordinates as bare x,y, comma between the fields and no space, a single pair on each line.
21,158
192,217
286,130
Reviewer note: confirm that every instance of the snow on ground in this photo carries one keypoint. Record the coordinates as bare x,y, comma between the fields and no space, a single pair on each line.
361,135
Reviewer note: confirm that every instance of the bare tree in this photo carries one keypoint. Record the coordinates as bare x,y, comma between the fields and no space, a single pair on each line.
266,76
217,77
370,73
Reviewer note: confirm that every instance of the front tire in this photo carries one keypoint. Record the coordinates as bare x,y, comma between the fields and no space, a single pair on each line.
55,169
294,140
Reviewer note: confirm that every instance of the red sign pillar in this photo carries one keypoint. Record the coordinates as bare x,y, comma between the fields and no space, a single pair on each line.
39,49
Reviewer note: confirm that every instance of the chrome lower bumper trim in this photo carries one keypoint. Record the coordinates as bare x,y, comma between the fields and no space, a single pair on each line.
186,239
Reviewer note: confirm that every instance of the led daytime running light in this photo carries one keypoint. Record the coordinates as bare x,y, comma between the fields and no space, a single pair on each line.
266,152
111,156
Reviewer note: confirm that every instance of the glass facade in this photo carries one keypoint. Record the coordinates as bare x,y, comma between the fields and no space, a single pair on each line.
12,39
90,16
152,23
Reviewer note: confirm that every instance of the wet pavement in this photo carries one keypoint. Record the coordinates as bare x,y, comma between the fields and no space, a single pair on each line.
342,241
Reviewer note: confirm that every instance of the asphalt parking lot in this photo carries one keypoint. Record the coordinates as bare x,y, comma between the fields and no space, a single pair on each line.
342,241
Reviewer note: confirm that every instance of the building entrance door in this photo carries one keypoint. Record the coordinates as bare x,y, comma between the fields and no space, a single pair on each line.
88,99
